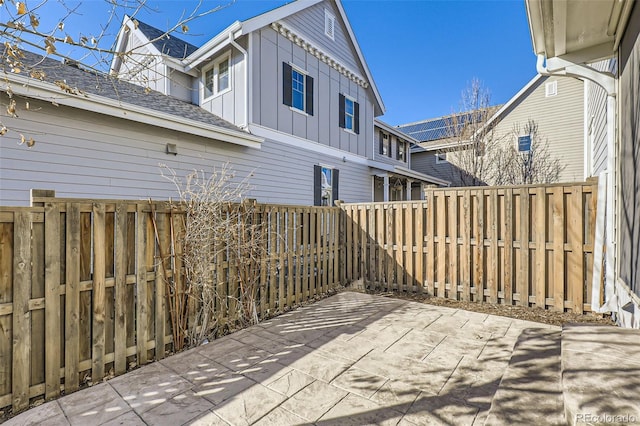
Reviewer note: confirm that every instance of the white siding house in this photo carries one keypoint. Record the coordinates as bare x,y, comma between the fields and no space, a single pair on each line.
282,97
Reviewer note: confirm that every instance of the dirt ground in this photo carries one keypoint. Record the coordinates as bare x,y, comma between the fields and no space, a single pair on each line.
520,312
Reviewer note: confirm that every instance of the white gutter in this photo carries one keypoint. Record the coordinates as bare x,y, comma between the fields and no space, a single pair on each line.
246,79
29,87
562,67
211,47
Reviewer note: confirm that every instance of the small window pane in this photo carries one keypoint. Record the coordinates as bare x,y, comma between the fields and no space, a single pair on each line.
348,114
326,187
297,90
208,83
223,75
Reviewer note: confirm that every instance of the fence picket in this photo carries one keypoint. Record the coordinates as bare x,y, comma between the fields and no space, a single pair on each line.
52,300
541,248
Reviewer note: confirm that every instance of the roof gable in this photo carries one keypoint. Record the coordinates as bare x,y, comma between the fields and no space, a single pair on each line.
166,44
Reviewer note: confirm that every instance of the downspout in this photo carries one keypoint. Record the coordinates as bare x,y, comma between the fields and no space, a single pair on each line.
233,42
561,67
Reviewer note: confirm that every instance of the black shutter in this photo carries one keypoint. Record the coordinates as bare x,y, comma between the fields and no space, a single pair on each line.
286,84
356,118
334,184
341,111
308,86
317,185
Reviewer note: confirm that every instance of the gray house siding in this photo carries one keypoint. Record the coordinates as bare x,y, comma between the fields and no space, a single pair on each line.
425,162
270,51
393,143
597,123
83,154
230,104
310,22
181,86
560,120
629,204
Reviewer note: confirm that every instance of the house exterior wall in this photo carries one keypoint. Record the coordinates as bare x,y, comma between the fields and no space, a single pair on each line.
560,119
181,86
393,143
596,119
310,22
228,104
425,162
629,160
270,50
84,154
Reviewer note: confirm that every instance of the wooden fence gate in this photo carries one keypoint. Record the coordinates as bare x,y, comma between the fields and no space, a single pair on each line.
529,245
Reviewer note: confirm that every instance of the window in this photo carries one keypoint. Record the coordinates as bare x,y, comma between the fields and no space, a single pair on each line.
441,158
329,24
401,150
551,89
349,111
297,89
217,79
325,185
384,144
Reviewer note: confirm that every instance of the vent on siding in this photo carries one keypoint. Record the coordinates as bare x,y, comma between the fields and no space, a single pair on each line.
329,24
551,89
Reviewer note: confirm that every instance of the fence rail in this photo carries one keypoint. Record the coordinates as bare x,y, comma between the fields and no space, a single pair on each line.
82,291
529,245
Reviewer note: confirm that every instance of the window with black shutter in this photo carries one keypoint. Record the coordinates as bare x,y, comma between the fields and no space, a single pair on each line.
297,89
349,111
325,185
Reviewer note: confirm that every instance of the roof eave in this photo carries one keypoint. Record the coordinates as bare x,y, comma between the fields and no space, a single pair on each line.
29,87
394,130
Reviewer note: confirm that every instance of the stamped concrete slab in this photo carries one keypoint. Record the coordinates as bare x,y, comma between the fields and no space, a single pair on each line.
356,410
314,401
98,406
48,413
351,358
249,406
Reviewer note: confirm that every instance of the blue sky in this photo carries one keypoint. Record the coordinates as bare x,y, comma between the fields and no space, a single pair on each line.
422,53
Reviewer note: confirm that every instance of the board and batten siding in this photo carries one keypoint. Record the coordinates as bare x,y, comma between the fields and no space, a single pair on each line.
269,51
597,122
560,119
229,104
181,86
83,154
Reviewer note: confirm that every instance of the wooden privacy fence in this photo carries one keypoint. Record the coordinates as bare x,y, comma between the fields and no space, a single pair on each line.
82,292
529,245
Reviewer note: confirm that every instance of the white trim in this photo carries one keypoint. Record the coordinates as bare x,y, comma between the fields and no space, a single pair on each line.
215,68
299,111
440,160
301,143
394,130
420,176
304,92
29,87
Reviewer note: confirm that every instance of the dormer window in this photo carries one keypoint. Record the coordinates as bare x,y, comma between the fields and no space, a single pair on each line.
217,79
329,24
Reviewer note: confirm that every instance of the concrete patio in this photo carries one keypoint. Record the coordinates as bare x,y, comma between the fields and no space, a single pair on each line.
348,359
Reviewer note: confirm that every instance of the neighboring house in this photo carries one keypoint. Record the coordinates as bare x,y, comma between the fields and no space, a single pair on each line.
583,34
429,154
285,97
555,104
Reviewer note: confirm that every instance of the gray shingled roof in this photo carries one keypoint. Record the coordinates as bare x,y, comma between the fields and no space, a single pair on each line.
167,43
93,83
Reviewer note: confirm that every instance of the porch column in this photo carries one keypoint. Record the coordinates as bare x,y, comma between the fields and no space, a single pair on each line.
385,187
409,182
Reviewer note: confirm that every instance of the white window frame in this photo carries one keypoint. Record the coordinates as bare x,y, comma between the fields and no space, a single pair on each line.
385,140
304,74
351,129
215,68
440,159
329,24
404,157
